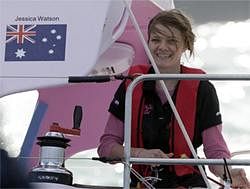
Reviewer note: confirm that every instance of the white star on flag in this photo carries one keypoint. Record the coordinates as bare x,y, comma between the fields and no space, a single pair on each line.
20,53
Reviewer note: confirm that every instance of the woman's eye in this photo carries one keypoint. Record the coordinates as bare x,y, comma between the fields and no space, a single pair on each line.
155,40
172,41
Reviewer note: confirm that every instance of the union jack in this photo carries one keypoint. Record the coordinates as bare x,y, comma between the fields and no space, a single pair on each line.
20,33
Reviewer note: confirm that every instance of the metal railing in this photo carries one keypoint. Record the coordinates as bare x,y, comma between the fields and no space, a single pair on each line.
172,161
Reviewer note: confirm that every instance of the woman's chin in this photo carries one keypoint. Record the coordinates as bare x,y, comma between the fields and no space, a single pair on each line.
163,65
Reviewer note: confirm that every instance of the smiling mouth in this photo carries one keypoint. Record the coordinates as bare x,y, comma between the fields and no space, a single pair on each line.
163,56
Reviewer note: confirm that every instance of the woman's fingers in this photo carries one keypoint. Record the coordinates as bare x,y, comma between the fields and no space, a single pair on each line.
239,178
153,153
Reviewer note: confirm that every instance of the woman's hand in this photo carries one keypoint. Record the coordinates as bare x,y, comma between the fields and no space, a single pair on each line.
152,153
239,178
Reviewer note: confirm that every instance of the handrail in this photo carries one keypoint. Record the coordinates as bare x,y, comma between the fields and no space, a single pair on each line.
189,161
128,118
242,152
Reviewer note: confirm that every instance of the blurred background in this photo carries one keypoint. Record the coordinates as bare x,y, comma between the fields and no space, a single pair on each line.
222,46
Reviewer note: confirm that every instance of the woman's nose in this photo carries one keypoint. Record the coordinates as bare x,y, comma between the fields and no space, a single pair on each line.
162,45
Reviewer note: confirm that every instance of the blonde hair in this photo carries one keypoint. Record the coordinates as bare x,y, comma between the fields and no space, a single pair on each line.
174,18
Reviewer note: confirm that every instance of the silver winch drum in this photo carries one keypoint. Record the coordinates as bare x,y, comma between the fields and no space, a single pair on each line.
51,163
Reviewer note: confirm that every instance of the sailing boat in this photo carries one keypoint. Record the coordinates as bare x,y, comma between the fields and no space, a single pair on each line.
28,29
59,90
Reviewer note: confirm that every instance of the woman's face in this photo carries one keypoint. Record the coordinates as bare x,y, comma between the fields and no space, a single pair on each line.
166,46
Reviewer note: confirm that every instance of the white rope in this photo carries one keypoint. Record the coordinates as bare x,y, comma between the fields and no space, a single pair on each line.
141,178
243,152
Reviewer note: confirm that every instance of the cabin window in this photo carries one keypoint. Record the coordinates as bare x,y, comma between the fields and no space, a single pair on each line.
16,111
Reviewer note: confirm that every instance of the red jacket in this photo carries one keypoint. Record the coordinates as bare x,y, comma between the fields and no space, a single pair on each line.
186,107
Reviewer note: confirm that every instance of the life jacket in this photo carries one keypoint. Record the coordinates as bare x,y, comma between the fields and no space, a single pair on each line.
186,106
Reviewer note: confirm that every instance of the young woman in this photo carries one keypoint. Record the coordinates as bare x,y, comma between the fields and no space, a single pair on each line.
155,131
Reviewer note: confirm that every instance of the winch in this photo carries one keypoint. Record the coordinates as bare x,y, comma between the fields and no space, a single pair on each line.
52,153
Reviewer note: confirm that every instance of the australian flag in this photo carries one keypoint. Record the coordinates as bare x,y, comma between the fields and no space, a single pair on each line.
35,42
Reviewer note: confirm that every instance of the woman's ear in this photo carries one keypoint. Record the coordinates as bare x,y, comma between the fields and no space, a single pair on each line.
186,45
184,49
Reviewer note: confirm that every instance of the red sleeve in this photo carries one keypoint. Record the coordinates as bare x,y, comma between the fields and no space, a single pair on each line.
214,143
113,134
215,147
